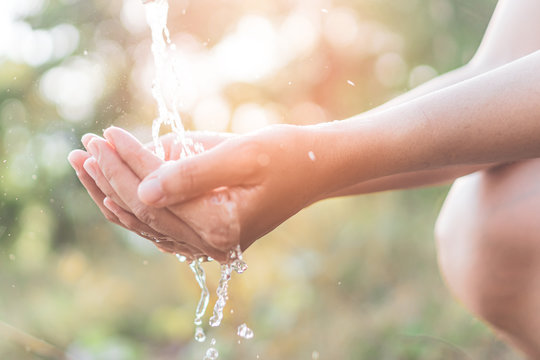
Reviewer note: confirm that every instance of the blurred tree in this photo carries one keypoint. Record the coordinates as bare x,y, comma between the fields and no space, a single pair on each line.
347,279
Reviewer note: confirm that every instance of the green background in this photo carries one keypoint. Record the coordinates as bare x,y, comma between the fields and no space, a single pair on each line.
352,278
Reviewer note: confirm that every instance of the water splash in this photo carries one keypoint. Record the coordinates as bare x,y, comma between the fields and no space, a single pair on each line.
162,48
235,263
237,260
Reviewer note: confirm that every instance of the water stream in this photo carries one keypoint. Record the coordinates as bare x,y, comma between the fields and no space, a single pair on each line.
166,99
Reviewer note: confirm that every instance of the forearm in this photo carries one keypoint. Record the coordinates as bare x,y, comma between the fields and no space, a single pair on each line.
420,178
408,180
494,117
455,76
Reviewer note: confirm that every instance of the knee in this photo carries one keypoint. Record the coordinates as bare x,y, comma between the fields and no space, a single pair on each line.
487,263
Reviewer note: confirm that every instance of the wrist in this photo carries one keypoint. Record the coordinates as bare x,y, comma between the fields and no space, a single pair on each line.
355,150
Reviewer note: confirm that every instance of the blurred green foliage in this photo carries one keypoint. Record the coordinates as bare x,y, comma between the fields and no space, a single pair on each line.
348,278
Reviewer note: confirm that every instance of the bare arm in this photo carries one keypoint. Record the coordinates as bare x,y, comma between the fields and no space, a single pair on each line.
491,118
269,175
512,33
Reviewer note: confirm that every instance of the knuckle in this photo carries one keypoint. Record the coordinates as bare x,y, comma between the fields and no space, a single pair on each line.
184,178
251,156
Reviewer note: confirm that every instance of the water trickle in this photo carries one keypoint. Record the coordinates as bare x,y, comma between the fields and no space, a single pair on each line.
200,276
162,48
235,263
222,293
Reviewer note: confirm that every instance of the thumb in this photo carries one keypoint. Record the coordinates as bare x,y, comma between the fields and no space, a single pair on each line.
181,180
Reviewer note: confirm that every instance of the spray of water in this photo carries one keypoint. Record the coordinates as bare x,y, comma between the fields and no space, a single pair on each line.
156,16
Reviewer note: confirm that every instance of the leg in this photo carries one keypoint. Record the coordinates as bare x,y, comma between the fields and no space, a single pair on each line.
488,237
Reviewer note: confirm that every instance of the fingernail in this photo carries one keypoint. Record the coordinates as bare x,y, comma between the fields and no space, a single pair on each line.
93,148
86,138
109,204
89,167
109,135
150,191
71,159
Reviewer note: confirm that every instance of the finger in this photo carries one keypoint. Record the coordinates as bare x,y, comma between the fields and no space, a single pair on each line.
135,225
86,138
92,168
95,172
125,184
178,181
141,161
77,158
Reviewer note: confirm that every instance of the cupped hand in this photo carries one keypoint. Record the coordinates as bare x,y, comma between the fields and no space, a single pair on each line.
110,189
267,176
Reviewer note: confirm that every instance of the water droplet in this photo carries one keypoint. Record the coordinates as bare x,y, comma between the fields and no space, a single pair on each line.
339,283
213,342
85,52
211,354
181,258
351,83
311,155
245,332
315,355
200,336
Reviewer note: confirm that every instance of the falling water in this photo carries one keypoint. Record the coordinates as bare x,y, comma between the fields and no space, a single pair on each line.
162,47
200,276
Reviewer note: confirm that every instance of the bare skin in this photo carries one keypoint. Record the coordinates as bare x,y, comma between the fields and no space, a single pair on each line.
488,237
475,119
